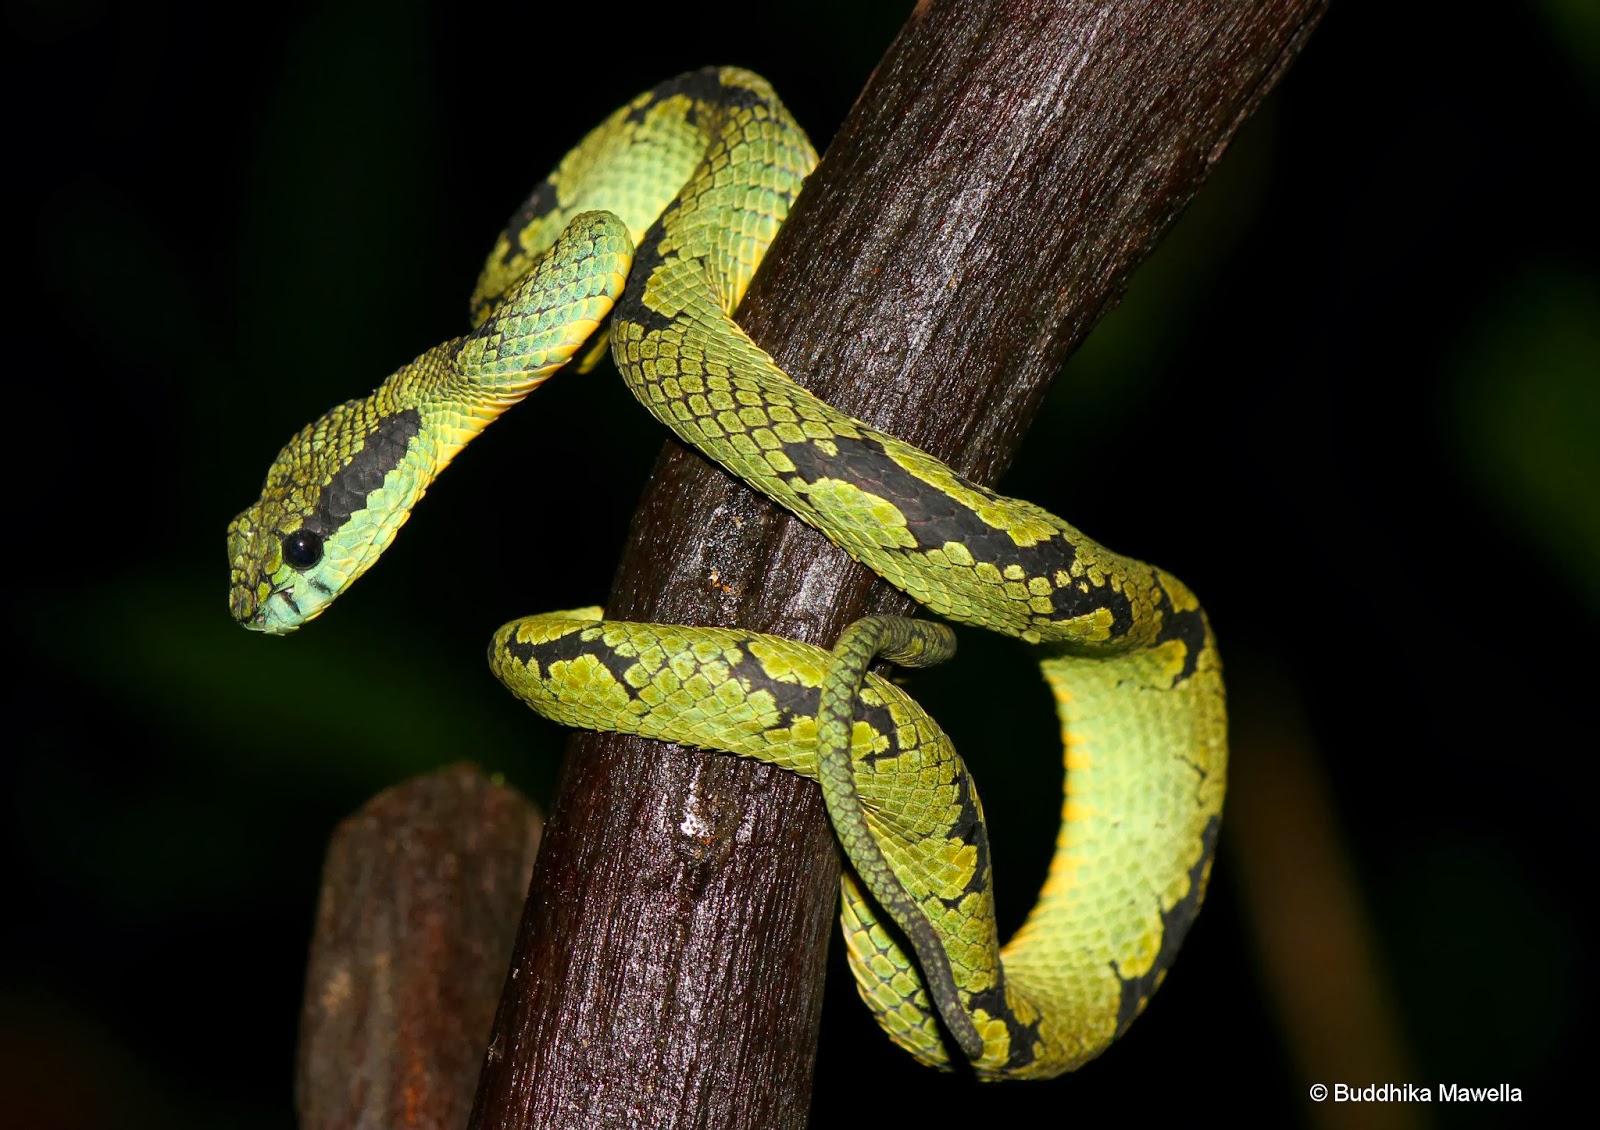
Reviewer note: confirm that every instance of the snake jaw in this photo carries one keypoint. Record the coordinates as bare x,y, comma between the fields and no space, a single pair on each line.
281,614
273,609
278,613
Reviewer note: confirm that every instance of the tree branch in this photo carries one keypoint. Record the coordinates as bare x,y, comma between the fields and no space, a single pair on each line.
983,204
415,920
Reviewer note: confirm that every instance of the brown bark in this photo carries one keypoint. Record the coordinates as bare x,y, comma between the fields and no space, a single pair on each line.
419,903
983,204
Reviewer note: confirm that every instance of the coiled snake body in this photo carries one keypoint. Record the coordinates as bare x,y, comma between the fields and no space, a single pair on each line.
698,173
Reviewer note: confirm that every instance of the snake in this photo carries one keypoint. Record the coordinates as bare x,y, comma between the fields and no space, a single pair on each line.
643,240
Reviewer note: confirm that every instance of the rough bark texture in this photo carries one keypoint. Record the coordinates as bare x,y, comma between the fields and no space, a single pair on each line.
983,204
420,897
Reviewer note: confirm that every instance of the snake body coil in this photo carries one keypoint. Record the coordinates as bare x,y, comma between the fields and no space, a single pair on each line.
698,173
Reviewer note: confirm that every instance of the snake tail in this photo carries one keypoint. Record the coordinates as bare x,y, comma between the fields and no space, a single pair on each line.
918,643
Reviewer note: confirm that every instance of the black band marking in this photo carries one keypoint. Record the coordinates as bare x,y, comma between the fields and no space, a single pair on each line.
1189,628
1175,925
347,492
934,518
540,203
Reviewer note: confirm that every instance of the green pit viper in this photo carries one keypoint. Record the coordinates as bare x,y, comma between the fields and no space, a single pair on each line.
698,174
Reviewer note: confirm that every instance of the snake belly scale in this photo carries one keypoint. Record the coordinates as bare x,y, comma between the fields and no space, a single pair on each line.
697,174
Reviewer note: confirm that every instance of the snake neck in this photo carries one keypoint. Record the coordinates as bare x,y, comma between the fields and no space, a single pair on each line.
341,489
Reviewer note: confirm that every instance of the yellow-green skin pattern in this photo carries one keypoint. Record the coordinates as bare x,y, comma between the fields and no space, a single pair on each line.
699,173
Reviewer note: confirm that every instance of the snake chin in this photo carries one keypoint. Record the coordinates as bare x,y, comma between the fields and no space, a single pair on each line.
281,612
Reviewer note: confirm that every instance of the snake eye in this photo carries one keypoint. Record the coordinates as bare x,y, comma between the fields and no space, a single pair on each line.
302,549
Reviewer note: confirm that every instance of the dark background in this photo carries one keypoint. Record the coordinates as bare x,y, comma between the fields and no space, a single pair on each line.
1353,400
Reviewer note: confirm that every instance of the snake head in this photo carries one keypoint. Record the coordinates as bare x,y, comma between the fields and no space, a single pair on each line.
334,499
